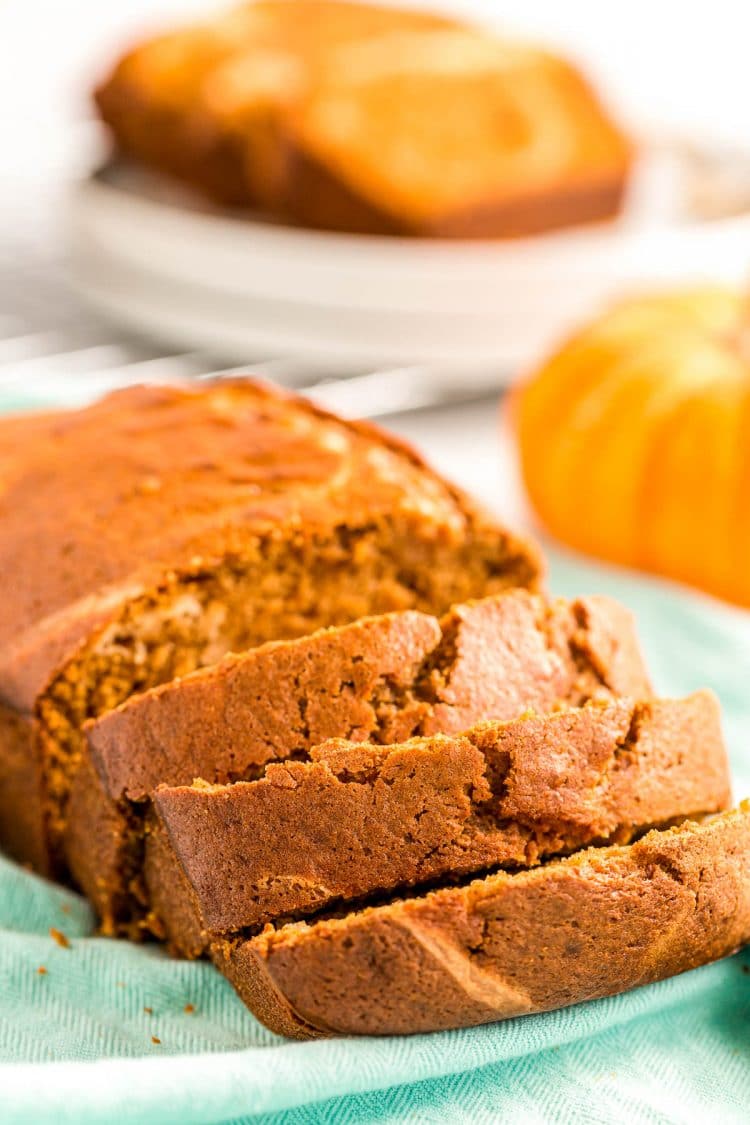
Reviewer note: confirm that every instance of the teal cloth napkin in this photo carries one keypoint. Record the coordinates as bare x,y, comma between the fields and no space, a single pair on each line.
103,1034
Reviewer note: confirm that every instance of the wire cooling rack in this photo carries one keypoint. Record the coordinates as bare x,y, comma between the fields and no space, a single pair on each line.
54,348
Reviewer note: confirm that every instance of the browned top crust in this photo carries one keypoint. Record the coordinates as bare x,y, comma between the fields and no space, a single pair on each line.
384,678
355,819
96,505
595,924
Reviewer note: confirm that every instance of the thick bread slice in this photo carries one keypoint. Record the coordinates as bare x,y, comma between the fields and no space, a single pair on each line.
356,819
380,679
392,675
451,134
592,925
236,129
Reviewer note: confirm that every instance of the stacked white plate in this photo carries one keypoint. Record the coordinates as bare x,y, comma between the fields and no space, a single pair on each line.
160,261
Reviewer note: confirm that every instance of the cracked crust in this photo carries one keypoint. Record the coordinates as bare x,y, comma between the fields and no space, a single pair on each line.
380,679
354,820
392,676
595,924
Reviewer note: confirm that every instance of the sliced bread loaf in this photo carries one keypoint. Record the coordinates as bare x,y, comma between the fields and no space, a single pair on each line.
150,533
383,679
357,820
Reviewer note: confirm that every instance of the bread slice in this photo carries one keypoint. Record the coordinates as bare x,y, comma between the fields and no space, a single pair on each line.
382,678
148,96
162,527
367,118
245,99
451,134
595,924
355,820
202,102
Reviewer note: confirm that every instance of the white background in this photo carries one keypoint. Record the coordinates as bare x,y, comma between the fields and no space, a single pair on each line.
665,63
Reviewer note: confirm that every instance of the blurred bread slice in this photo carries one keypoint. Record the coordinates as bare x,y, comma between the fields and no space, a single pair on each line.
203,102
450,133
148,96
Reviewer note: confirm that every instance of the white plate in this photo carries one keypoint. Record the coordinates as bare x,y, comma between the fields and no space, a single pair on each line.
150,254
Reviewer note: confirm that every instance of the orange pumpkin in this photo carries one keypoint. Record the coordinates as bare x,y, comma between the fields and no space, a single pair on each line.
635,438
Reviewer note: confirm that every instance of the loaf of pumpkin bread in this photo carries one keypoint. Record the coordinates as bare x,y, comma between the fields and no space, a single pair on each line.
355,820
595,924
160,528
381,678
237,706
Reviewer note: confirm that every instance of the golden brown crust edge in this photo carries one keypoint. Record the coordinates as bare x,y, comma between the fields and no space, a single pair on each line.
30,657
314,196
604,921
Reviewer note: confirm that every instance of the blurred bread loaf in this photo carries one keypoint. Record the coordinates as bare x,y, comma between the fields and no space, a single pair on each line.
361,118
245,99
203,102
